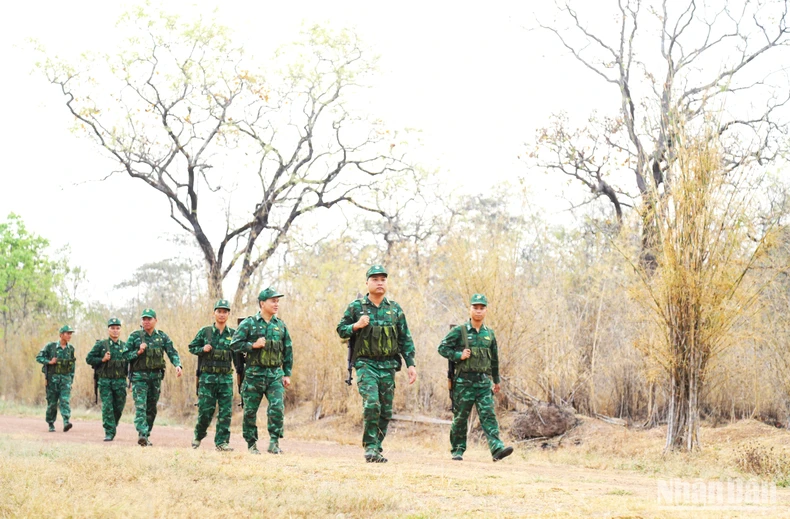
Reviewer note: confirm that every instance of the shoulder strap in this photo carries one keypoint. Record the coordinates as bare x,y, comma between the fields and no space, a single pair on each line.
209,333
463,336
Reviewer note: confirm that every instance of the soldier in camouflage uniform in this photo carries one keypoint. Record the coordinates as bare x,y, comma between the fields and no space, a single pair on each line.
377,326
145,351
215,383
59,361
106,357
265,341
473,348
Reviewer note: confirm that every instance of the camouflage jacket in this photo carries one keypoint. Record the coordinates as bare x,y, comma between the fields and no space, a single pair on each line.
453,345
254,327
137,337
379,316
53,349
116,349
219,341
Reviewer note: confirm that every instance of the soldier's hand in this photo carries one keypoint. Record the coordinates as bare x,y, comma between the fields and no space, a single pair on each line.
286,381
207,348
106,357
466,354
53,360
412,372
496,388
260,343
178,371
363,321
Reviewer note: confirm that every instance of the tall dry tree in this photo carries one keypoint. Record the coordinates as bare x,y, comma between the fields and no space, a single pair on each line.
666,60
708,242
183,109
670,64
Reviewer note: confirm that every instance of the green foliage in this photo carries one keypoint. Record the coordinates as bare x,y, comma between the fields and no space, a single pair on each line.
32,283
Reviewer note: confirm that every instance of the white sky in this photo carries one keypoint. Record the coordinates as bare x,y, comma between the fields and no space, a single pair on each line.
471,78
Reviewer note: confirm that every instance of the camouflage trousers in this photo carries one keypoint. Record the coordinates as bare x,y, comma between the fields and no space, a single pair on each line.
58,392
468,394
270,383
146,386
377,389
113,399
215,390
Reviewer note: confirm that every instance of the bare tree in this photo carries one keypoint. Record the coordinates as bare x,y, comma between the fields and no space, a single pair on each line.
669,60
181,109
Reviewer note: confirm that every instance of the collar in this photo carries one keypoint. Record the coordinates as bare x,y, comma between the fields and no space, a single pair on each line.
259,317
469,326
226,330
384,301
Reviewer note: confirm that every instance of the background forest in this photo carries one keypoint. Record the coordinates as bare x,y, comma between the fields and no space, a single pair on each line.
660,296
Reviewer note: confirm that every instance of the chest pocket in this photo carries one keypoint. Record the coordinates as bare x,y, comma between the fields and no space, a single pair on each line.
379,339
272,354
480,359
65,364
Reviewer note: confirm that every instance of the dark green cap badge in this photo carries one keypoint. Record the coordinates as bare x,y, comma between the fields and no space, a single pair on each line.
376,269
268,293
479,299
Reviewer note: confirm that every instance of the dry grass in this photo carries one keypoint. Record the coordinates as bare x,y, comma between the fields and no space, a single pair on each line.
599,470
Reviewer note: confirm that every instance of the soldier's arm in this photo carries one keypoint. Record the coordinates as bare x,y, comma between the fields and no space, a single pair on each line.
95,355
172,354
346,324
44,356
448,348
132,346
494,359
196,346
288,357
240,342
405,342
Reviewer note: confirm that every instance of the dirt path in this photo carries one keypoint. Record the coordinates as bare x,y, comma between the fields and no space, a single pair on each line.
87,431
573,485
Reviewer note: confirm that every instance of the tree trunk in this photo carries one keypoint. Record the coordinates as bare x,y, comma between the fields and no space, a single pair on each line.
683,414
215,280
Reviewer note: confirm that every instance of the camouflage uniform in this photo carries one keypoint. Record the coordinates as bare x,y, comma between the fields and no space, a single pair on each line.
216,381
472,383
376,376
265,378
147,372
59,379
112,381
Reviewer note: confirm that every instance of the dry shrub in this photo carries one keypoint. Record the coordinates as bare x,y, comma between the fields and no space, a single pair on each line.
543,421
762,460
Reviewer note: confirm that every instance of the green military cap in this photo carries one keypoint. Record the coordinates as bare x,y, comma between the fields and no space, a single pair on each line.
222,303
376,269
479,299
65,328
149,312
113,321
268,294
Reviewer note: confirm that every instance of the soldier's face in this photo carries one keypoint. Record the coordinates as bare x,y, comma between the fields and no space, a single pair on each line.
115,332
377,284
270,306
221,315
477,313
66,336
149,323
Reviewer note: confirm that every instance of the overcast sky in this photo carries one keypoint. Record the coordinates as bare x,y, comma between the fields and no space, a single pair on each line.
475,81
